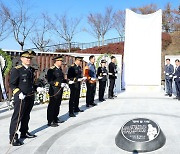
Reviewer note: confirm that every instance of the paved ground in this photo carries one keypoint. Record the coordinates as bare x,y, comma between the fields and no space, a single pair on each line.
94,131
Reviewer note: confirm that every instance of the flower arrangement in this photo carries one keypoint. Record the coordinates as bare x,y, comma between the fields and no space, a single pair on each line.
5,62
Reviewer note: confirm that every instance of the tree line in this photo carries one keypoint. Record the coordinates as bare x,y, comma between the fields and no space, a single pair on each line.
23,26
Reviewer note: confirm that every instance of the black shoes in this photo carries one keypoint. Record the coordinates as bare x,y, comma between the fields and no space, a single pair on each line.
110,97
16,142
72,115
78,110
93,104
27,135
53,124
59,121
102,100
168,95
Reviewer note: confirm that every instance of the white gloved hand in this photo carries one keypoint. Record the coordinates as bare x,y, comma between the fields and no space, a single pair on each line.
63,85
40,89
21,96
110,74
175,76
167,73
84,78
170,76
71,82
104,73
80,79
99,77
93,79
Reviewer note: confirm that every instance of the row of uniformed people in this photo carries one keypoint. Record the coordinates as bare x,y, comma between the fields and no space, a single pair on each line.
23,87
101,75
170,74
90,76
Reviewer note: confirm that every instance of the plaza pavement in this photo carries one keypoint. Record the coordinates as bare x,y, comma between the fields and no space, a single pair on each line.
94,131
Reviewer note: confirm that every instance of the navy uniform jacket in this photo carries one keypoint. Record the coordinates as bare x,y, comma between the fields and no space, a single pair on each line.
112,71
22,80
177,73
74,73
102,72
55,77
170,70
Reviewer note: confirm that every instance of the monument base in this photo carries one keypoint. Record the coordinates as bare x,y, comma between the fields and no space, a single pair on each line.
140,135
143,89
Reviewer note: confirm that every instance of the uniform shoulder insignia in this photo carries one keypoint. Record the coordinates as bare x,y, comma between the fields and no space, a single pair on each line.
18,66
52,67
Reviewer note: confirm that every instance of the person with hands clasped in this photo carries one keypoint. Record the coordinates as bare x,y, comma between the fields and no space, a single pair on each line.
55,77
169,70
23,87
90,73
75,77
112,77
176,77
102,76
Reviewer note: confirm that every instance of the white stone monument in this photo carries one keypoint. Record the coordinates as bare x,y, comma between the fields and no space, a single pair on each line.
142,51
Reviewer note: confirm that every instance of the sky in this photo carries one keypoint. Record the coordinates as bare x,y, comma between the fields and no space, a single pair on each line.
77,9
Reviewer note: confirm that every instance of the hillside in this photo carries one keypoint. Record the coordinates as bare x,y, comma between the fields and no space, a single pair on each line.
174,47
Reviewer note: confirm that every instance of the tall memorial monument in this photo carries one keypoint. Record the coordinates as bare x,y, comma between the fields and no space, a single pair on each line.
142,51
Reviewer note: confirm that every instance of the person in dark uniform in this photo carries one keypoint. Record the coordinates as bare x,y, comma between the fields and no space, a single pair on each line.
75,77
90,73
169,70
102,76
112,77
55,78
23,87
177,78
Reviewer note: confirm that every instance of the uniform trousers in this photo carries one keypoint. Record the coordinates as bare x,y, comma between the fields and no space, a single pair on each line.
102,87
74,97
111,87
22,109
90,93
169,86
54,105
177,84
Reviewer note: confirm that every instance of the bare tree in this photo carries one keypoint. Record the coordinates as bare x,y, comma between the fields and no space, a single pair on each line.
4,25
39,38
95,23
171,18
100,24
177,19
65,28
147,9
119,22
20,21
167,18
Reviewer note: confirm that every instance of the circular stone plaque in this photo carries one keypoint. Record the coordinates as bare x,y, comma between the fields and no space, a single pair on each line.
140,134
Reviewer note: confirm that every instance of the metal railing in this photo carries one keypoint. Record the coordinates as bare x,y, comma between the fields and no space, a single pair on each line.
81,46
